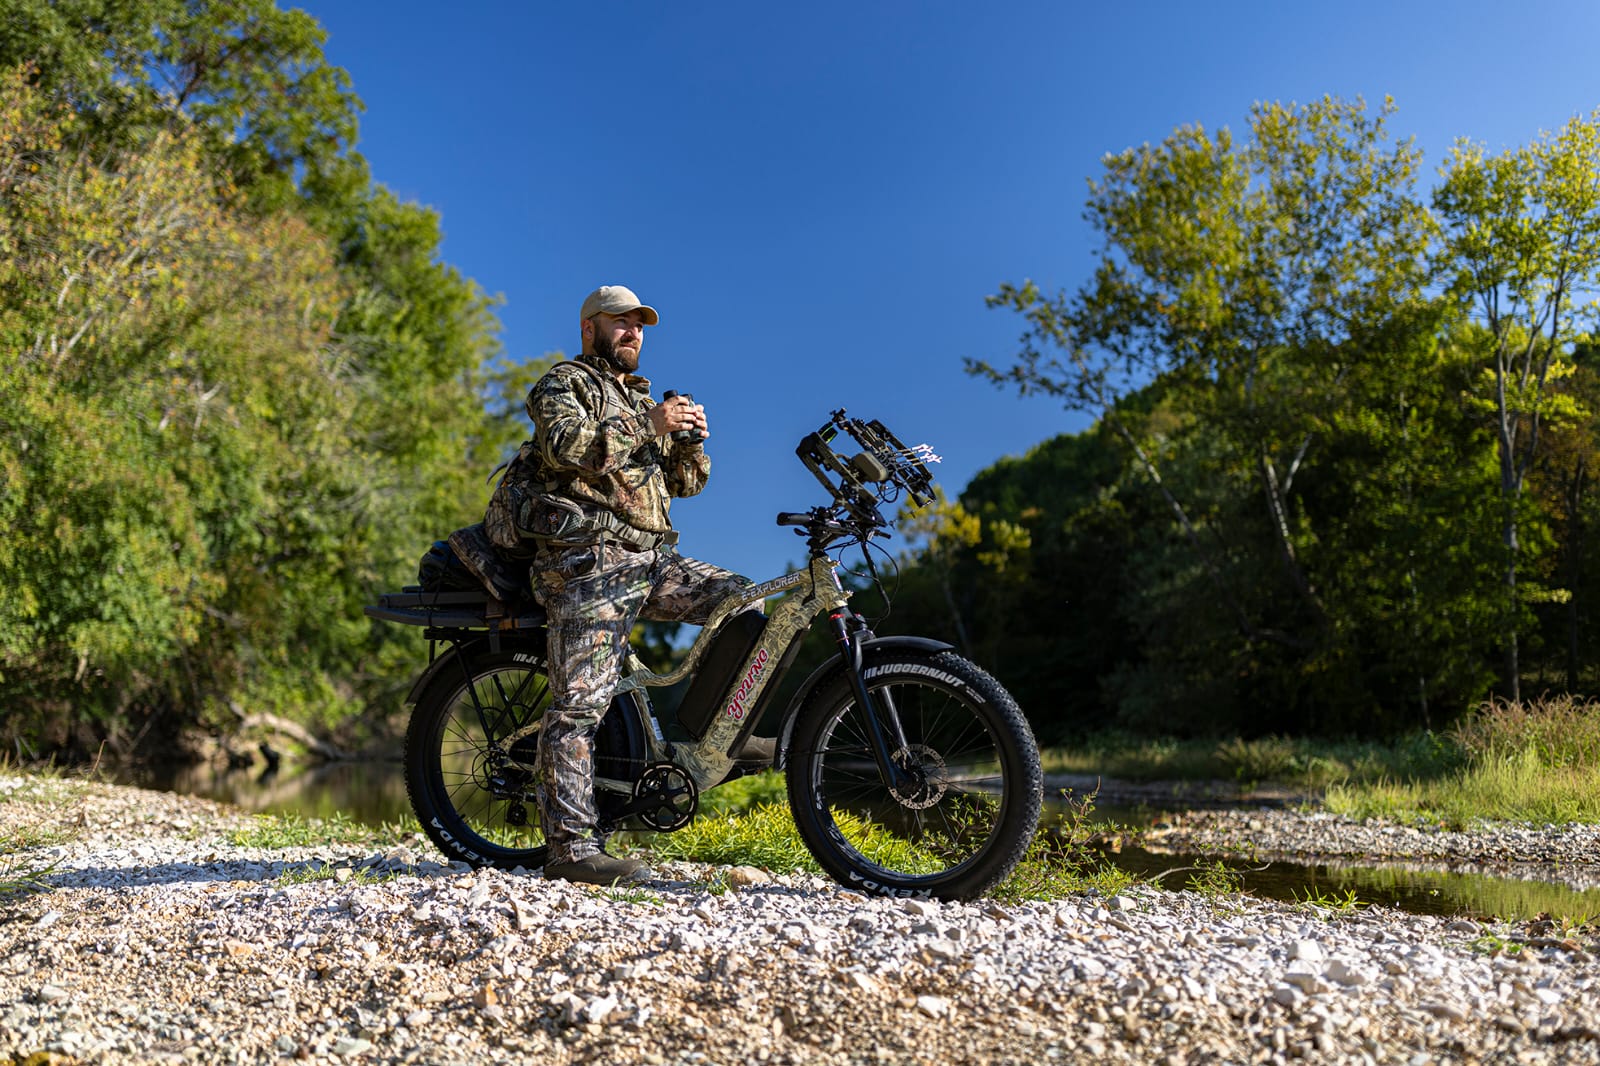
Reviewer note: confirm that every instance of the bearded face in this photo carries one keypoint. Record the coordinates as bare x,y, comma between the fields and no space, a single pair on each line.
617,340
625,356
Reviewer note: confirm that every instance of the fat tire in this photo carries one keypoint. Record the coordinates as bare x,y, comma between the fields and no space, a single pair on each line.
828,763
446,753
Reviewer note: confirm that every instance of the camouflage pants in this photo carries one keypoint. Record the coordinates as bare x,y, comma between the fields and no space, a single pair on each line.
593,595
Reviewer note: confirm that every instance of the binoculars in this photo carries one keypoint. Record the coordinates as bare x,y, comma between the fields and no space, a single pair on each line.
683,434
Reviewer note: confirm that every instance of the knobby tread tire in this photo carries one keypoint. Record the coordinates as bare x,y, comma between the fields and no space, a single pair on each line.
432,799
958,683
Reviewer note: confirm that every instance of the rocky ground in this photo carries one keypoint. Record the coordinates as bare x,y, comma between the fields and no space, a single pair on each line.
1568,855
162,941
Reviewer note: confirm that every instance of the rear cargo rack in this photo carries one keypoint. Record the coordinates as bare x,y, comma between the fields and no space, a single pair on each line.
454,610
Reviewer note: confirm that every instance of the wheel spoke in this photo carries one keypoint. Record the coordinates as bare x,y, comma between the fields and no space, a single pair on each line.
946,821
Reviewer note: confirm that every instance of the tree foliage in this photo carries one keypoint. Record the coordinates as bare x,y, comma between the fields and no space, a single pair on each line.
246,392
1307,378
1522,257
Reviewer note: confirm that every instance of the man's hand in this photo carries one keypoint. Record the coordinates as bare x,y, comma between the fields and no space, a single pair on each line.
676,414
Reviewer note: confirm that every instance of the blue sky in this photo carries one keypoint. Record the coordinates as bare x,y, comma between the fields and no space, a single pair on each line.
817,197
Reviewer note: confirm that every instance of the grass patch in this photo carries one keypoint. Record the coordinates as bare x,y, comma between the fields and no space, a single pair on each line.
1344,902
19,875
310,873
1536,761
41,786
1062,861
1296,762
1559,731
746,793
763,836
1521,762
1517,788
641,897
296,831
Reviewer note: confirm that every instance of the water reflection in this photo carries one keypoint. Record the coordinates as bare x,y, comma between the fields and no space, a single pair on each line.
371,793
1407,886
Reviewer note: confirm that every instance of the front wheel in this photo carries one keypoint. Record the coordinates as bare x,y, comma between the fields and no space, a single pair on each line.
966,807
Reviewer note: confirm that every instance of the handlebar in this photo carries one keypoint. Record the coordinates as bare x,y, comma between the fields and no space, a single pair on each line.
861,485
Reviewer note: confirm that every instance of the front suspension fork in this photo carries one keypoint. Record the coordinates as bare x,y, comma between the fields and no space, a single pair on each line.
885,734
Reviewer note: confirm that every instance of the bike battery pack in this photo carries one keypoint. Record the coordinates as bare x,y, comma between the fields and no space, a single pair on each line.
712,681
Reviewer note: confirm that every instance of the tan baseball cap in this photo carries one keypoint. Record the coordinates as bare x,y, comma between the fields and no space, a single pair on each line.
616,300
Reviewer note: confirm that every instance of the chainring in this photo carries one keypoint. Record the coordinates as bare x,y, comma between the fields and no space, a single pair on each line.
671,793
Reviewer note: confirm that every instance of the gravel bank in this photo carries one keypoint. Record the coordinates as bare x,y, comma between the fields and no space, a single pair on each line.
1567,855
163,942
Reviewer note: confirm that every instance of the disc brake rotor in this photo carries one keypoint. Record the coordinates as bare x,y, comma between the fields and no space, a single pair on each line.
927,768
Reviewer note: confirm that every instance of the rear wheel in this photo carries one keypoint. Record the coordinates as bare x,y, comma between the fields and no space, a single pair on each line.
967,807
470,785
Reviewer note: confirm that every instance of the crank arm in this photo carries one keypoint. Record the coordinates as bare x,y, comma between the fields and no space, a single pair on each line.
647,802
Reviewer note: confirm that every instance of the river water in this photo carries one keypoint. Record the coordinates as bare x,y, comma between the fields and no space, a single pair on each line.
373,793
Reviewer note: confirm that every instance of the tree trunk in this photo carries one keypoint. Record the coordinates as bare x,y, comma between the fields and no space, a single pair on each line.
1513,684
1575,546
955,614
1278,512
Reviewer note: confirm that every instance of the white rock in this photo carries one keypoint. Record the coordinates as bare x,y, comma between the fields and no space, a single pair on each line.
1448,1011
864,983
1345,974
933,1006
745,876
1304,980
598,1010
1306,949
1287,995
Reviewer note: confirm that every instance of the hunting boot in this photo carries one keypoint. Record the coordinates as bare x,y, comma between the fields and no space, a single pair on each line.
599,869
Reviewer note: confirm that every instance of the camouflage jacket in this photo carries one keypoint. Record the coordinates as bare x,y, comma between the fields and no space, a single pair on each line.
593,444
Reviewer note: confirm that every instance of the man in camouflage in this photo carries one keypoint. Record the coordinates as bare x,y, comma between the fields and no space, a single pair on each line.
590,495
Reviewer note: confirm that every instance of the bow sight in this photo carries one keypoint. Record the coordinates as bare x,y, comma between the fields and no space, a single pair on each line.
884,462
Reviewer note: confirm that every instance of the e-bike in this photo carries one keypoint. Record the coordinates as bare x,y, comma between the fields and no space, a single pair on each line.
910,771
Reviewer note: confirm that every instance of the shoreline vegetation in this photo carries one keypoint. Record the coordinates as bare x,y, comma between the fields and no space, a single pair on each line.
1536,763
1530,761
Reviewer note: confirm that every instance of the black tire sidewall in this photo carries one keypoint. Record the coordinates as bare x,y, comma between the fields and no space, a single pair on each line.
1021,803
432,807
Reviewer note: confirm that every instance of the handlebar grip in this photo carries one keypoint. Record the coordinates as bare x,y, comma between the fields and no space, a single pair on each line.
791,518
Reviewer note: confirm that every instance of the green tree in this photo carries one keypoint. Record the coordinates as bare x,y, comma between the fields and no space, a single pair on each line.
940,534
319,378
173,432
1269,300
252,77
1522,258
